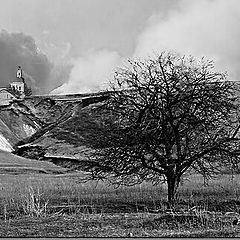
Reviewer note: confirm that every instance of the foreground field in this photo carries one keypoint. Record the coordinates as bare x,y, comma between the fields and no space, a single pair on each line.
111,225
50,205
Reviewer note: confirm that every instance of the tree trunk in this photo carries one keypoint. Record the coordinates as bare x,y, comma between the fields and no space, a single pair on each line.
172,182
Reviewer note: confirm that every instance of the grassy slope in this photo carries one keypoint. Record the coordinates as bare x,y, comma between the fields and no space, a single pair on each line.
7,133
97,210
69,137
13,164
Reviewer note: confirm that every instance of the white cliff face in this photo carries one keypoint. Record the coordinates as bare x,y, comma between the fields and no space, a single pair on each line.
29,130
5,145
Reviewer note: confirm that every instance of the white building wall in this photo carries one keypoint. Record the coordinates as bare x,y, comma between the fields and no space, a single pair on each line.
6,98
19,86
6,95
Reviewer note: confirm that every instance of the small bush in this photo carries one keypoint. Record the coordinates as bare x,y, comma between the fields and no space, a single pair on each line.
32,203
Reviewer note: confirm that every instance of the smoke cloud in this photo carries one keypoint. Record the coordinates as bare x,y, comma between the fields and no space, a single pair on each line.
18,49
90,72
208,28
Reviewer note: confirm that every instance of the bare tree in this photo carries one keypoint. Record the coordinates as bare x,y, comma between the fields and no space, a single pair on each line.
165,116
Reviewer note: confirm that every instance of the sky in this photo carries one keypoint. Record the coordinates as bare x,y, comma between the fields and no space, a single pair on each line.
74,46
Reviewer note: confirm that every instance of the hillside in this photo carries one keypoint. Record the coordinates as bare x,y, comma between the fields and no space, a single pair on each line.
12,164
47,127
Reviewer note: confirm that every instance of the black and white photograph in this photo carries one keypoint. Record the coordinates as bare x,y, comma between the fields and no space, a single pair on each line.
119,118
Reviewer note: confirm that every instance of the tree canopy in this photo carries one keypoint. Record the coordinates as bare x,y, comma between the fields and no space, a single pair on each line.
165,115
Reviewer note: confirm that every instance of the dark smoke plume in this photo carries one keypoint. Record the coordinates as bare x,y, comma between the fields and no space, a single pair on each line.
18,49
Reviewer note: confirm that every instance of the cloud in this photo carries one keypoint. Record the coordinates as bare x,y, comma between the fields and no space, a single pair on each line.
58,52
201,28
59,74
90,72
206,28
20,49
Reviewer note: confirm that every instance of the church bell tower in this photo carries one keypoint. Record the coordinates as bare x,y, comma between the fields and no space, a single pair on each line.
19,84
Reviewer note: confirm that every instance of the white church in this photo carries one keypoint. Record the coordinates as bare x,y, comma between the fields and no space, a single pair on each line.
15,91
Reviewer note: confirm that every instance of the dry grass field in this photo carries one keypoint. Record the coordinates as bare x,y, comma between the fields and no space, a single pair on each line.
39,199
58,205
